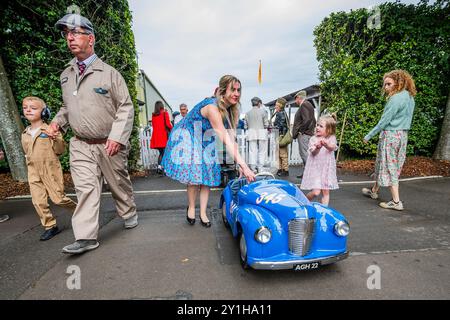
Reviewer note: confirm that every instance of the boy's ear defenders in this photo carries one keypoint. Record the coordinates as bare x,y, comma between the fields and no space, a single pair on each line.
46,113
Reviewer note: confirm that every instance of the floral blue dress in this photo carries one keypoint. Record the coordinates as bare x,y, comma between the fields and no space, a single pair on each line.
190,156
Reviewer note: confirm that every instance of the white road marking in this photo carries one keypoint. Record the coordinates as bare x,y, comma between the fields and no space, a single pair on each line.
401,180
397,251
343,183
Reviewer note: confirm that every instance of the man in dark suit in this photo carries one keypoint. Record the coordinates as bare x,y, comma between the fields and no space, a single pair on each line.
304,125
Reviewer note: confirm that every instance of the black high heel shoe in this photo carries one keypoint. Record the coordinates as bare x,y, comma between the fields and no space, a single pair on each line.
205,224
190,220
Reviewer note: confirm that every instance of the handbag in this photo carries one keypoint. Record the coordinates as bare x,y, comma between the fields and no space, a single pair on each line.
285,139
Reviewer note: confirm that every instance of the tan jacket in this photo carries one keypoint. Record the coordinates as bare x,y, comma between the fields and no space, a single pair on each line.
42,148
96,105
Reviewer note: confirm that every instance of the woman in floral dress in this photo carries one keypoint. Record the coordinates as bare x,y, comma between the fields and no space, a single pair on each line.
394,124
190,156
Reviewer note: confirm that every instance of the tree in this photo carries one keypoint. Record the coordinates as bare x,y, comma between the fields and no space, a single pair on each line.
11,129
353,54
443,147
35,54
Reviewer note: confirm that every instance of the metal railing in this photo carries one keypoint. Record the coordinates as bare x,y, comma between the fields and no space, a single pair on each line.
149,157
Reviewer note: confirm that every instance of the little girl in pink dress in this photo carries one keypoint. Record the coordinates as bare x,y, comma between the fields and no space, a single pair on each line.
320,170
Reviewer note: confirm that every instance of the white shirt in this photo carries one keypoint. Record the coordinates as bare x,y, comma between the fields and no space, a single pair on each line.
32,132
178,118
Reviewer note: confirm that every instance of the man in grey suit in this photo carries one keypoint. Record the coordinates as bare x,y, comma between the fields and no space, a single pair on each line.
257,123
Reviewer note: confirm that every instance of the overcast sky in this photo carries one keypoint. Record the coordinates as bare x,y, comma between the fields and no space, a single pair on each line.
186,46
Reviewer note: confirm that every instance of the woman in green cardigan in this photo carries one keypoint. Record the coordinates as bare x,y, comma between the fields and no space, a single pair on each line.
394,124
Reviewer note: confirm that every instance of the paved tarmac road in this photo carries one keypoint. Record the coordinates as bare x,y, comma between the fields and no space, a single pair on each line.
165,258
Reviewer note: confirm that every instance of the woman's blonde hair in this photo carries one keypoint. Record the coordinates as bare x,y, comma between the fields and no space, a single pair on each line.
402,81
231,114
330,123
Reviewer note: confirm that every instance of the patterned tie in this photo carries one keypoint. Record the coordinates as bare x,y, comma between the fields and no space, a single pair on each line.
81,67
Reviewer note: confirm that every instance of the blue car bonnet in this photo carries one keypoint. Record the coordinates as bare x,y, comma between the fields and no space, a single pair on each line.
280,197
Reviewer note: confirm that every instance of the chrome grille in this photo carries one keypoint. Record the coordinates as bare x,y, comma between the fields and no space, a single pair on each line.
301,233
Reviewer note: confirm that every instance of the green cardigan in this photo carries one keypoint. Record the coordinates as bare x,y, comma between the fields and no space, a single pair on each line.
397,114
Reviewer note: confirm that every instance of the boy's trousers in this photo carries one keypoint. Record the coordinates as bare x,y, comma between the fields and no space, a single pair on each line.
46,180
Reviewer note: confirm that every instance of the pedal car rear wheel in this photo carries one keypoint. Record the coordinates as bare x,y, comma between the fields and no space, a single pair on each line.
243,251
224,179
224,216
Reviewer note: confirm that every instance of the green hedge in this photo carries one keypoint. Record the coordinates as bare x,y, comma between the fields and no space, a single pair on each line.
35,54
353,58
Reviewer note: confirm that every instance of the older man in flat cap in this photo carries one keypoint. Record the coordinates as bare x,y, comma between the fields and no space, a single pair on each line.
98,108
304,124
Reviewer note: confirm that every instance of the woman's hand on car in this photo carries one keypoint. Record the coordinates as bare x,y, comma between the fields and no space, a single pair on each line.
247,173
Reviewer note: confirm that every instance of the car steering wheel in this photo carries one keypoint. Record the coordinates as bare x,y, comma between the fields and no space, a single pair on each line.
265,174
258,177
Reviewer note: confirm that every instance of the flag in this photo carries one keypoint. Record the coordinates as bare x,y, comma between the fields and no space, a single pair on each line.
260,73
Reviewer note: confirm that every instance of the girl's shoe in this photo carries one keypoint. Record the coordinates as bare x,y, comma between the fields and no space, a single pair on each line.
369,193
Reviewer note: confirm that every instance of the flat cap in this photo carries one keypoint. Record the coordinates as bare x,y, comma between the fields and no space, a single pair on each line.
73,20
301,93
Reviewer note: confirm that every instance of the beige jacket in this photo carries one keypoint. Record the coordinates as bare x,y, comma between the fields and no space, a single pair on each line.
96,105
41,148
257,123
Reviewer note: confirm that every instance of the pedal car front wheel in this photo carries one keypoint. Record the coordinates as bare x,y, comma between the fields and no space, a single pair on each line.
243,251
224,216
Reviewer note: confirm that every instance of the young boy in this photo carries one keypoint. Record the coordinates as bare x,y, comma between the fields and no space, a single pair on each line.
44,169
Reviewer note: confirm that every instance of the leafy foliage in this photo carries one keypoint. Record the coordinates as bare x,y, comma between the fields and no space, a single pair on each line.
353,58
35,54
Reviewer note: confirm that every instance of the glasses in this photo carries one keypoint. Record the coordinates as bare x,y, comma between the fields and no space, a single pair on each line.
74,33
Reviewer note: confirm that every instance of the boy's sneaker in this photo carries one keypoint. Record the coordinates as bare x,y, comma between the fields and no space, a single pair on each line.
50,233
80,246
369,193
392,205
4,218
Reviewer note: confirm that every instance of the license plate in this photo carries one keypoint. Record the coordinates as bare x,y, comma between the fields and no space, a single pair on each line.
306,266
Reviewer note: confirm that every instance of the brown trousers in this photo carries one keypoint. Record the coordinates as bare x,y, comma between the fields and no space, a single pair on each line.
89,163
283,157
46,180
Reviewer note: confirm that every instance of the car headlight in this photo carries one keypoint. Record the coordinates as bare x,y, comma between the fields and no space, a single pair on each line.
342,229
263,235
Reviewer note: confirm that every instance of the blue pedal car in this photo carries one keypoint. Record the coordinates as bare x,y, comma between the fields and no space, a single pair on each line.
279,228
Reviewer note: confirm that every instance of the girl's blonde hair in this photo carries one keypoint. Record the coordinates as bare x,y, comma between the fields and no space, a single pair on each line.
330,123
402,81
231,114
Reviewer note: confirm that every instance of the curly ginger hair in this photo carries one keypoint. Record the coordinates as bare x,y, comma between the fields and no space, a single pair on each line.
402,81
